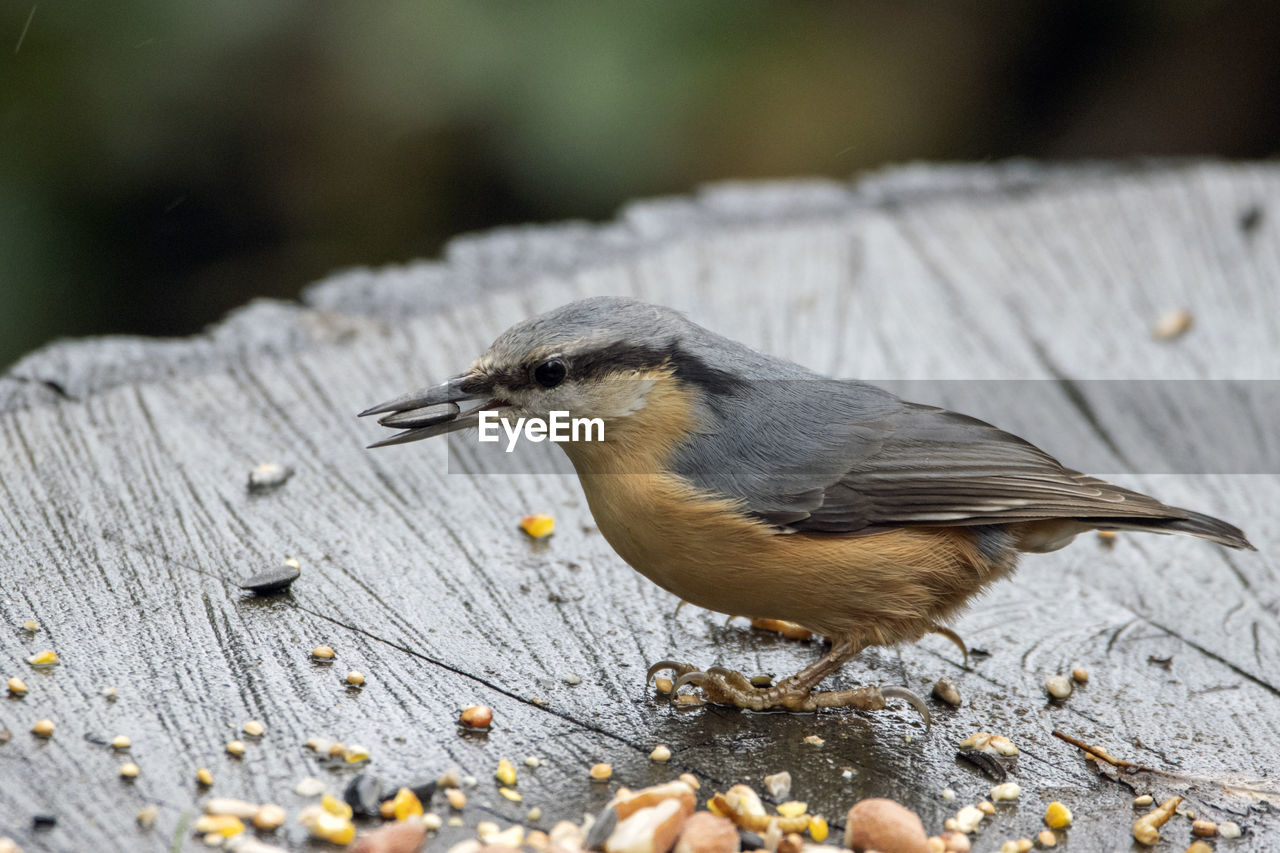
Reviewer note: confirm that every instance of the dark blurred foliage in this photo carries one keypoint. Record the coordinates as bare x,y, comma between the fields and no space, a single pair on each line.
163,161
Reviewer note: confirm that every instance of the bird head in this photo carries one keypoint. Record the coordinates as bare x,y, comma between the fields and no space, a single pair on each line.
594,358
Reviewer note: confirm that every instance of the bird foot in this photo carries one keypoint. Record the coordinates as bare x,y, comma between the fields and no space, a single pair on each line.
723,686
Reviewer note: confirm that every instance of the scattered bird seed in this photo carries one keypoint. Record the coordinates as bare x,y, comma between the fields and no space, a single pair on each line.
1172,325
45,658
432,821
355,753
6,735
663,684
121,742
129,770
309,786
1146,829
532,761
477,716
1057,816
661,753
968,819
268,475
1059,686
533,815
31,625
1204,828
1198,846
949,795
456,798
1047,838
1006,791
1144,800
355,678
273,580
601,772
236,748
945,690
109,693
253,728
1229,829
573,679
506,773
455,821
513,796
147,816
322,653
405,804
269,817
762,681
989,743
690,780
814,740
43,728
987,808
1079,675
17,686
538,526
204,777
792,808
242,809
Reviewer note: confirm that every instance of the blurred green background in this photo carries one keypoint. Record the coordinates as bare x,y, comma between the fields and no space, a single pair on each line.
163,161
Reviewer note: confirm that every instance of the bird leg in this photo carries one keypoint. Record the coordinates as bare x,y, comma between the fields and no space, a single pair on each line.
725,687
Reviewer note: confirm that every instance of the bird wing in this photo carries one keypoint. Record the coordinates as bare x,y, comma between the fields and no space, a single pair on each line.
839,457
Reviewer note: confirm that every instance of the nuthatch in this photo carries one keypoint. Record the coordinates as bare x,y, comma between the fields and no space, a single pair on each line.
749,485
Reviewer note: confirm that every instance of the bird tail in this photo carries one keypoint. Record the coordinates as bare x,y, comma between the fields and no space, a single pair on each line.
1185,521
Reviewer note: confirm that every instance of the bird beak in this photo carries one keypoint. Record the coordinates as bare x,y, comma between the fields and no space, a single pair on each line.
434,411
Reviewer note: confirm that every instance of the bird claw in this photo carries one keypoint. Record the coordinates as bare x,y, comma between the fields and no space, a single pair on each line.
944,631
677,667
911,698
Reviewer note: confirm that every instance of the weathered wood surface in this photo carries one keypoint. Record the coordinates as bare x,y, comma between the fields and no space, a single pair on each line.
125,521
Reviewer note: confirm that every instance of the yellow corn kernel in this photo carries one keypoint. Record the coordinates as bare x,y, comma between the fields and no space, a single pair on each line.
818,828
330,827
43,728
513,796
45,658
236,747
204,777
224,824
17,686
129,770
538,526
406,804
792,808
506,774
601,772
354,754
334,806
456,798
121,742
253,728
1057,815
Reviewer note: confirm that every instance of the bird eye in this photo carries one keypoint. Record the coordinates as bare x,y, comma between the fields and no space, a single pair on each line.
550,373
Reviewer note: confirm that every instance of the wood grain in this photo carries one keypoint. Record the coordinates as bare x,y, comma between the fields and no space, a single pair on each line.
125,521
